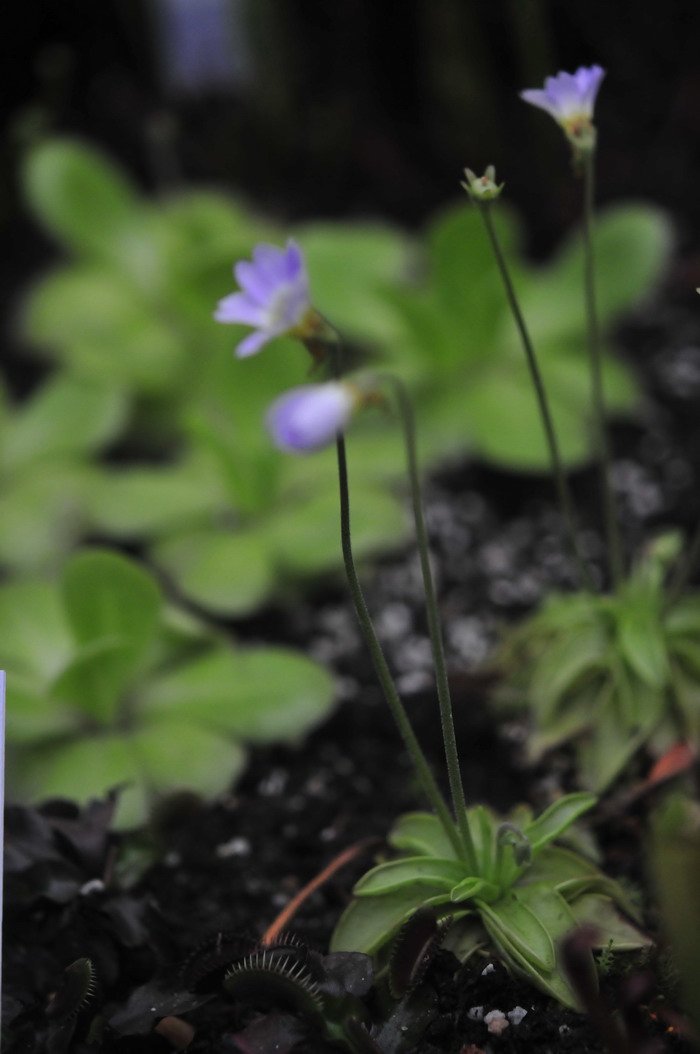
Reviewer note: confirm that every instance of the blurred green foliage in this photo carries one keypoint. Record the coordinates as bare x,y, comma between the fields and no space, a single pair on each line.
109,685
675,855
614,673
230,520
461,351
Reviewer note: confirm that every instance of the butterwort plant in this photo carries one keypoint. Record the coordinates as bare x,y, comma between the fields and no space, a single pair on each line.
612,669
494,877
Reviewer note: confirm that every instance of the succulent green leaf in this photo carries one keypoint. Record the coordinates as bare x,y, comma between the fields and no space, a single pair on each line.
65,416
350,266
152,761
683,618
42,513
35,639
558,866
472,887
183,755
613,929
502,419
306,535
512,924
94,321
555,820
226,572
368,922
93,681
606,748
107,595
431,872
31,715
462,261
566,660
259,695
422,833
632,245
80,196
138,502
641,639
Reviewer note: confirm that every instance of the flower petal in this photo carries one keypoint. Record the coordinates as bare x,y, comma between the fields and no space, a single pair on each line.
238,307
254,282
538,97
270,261
253,343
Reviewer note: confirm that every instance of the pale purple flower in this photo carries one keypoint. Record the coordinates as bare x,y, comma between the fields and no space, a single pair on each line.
568,97
311,416
274,296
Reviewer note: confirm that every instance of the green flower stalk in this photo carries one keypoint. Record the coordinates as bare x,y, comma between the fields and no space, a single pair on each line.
275,300
570,98
407,419
484,191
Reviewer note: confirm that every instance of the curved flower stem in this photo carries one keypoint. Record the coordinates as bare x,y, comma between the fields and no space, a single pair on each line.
560,480
398,711
425,776
407,418
612,530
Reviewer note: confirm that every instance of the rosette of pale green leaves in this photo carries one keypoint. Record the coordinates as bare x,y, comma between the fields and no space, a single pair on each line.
109,685
519,897
613,673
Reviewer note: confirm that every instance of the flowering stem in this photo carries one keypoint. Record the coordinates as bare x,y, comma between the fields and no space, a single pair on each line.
562,486
425,776
611,525
459,806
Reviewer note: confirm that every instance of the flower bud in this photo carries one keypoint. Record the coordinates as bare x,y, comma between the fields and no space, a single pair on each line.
310,417
482,189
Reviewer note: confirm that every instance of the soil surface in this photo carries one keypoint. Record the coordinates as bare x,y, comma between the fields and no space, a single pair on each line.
140,908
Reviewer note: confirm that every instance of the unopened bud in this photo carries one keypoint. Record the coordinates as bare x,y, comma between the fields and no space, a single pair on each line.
482,188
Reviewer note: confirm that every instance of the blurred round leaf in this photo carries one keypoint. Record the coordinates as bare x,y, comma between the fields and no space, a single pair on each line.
226,572
260,695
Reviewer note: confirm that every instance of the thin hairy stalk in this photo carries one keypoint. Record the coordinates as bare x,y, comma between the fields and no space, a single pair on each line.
425,776
560,480
612,530
407,419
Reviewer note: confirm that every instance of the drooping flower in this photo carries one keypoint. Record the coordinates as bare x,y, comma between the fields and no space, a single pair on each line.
311,416
274,298
569,98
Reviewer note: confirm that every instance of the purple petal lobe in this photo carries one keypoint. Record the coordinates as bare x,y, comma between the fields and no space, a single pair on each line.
253,343
238,307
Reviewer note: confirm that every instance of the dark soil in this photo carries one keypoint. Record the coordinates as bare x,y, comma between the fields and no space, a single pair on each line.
139,912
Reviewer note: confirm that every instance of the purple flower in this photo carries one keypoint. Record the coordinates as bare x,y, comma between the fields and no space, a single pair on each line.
274,297
569,98
308,418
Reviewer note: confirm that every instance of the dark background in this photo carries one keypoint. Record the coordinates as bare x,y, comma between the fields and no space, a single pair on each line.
360,107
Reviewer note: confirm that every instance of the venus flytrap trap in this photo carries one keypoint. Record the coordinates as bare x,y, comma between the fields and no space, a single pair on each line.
502,883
